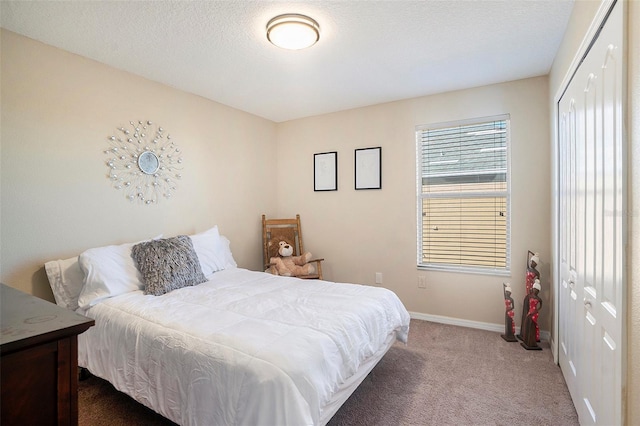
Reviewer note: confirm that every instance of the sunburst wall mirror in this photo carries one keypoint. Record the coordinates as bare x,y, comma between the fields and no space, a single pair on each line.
144,162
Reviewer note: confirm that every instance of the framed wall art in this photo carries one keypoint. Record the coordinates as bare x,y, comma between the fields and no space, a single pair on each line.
325,171
368,168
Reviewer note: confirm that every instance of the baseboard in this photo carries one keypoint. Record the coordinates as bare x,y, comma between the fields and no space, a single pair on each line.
499,328
552,346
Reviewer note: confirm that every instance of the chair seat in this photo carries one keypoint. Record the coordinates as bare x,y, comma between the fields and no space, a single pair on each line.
309,277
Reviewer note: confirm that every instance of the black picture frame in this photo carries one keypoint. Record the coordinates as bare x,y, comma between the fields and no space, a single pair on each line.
368,168
325,171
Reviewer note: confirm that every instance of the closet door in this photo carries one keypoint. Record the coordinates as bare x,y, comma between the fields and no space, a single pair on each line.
592,228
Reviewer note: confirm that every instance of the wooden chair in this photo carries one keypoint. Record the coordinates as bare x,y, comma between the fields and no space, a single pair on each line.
290,230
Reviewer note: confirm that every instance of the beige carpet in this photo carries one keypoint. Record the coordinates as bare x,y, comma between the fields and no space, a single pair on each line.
446,375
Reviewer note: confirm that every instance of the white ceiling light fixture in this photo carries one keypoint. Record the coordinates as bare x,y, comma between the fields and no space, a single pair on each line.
293,31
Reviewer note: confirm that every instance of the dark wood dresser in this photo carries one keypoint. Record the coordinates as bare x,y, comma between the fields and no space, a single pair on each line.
39,364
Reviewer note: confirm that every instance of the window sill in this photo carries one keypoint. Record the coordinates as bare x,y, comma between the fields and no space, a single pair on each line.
466,270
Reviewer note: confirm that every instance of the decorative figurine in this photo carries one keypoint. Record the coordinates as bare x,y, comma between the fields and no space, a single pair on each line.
530,277
530,330
532,272
509,324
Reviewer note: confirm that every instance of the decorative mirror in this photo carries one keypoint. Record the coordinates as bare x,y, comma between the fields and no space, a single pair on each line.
148,162
144,162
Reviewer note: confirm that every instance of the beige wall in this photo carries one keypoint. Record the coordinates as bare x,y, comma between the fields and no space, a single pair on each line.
582,17
364,232
58,110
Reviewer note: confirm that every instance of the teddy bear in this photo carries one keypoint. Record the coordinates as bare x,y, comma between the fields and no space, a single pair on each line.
287,265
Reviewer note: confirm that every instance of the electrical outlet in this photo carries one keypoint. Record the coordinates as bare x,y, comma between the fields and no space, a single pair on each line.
378,277
422,281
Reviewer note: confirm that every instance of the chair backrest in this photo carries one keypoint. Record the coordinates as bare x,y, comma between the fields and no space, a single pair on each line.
288,229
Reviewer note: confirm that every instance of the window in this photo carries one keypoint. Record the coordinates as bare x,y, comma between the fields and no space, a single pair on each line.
463,195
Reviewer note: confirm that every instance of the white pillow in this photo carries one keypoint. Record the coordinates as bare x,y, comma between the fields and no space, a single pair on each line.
108,271
224,253
66,280
213,251
205,245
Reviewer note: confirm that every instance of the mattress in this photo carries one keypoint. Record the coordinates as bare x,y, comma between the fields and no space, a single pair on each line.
243,348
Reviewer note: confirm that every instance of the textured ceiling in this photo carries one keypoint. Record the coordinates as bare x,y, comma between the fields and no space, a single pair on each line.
369,52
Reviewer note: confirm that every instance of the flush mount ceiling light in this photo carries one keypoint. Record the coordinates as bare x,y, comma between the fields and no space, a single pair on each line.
293,31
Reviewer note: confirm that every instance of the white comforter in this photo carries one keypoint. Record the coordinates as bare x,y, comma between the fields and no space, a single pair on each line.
244,348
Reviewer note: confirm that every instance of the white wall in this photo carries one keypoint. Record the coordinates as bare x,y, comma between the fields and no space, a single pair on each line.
364,232
58,110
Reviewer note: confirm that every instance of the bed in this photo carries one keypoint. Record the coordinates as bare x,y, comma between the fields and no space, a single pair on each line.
240,348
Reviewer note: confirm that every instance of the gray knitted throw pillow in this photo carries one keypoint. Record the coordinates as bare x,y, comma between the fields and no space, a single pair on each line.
167,264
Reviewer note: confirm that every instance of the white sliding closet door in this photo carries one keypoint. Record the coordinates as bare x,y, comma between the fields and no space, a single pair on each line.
592,228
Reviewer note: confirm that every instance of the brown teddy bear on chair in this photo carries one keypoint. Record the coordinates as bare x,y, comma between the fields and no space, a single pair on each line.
284,263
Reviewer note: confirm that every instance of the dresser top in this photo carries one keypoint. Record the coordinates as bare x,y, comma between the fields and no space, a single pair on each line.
27,320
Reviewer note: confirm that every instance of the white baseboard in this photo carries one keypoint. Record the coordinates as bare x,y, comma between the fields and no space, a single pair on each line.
499,328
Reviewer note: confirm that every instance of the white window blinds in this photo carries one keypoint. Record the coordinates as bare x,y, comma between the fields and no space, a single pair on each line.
463,193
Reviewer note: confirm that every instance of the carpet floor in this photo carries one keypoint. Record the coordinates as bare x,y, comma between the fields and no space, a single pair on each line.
445,375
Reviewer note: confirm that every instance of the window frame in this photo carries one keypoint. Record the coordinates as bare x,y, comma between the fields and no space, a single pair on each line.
500,271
